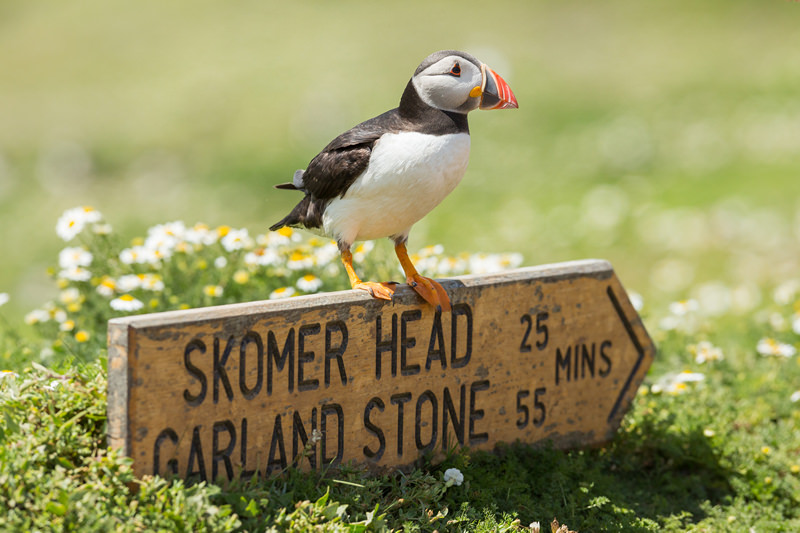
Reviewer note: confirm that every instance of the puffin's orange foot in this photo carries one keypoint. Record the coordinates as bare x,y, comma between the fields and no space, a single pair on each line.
382,290
431,291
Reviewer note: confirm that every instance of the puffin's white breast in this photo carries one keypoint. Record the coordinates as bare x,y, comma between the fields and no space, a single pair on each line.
408,175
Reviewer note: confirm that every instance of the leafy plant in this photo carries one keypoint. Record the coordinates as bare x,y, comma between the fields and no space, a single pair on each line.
711,442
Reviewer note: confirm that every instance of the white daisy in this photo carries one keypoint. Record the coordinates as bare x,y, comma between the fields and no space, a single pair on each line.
488,263
262,257
200,234
361,250
129,282
676,383
126,302
171,231
274,239
426,265
74,256
299,261
281,237
683,307
704,351
236,239
796,323
69,295
433,249
213,290
72,221
36,316
637,301
75,274
453,476
326,253
151,282
772,348
512,260
159,247
107,286
135,255
4,297
445,266
59,315
283,292
101,229
221,262
309,283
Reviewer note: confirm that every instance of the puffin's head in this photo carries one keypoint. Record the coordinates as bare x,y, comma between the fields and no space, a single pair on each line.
456,81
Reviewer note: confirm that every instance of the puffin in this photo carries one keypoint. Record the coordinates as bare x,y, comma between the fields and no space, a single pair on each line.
382,176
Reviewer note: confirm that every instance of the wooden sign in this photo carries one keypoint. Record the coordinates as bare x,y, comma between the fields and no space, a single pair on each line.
546,353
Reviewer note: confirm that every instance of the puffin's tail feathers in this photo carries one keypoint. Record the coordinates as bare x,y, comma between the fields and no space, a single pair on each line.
307,214
278,225
289,220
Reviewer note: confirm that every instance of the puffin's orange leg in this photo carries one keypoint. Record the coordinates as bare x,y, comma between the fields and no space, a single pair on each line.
384,291
429,289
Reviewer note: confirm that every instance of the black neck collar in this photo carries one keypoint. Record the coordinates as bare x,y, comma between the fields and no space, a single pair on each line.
413,109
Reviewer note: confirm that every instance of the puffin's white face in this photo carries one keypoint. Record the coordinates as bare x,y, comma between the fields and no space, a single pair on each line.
452,83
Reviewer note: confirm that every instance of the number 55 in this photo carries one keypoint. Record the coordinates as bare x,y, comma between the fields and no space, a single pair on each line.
538,407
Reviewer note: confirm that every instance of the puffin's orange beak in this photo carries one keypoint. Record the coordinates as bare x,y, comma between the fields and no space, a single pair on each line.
495,92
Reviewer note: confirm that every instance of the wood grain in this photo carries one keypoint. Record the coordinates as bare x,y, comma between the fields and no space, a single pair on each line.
550,353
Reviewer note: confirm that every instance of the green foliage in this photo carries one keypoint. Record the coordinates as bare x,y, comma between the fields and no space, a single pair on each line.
57,474
711,441
657,136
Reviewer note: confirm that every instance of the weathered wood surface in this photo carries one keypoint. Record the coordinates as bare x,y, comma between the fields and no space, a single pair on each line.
554,352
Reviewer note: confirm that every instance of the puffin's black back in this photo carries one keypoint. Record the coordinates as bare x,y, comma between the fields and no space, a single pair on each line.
331,172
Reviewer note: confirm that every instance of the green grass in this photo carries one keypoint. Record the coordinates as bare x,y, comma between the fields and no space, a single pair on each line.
664,137
719,454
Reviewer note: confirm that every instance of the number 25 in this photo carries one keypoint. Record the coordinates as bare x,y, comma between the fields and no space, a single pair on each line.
541,331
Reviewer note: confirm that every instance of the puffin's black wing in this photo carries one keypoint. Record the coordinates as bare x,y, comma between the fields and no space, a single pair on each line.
335,168
338,165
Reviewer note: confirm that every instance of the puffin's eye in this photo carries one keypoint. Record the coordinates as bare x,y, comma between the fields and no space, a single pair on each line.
456,70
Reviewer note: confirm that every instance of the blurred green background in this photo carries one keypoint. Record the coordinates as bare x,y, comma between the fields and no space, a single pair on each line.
662,136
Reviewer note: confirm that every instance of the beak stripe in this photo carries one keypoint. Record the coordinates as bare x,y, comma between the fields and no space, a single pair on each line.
496,92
